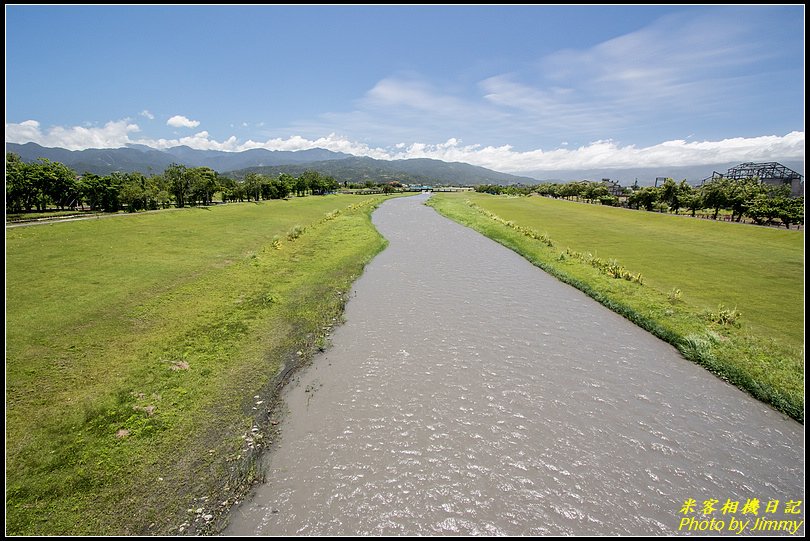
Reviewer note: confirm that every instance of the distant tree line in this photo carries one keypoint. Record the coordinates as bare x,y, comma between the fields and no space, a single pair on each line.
762,203
47,184
584,190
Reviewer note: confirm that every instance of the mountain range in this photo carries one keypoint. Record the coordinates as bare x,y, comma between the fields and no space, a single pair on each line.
103,161
345,167
412,171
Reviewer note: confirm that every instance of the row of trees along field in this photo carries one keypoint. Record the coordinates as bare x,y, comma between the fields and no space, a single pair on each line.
46,184
762,203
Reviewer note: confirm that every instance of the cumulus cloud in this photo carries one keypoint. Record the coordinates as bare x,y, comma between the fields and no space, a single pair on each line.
114,134
600,154
200,141
147,114
595,155
609,154
179,121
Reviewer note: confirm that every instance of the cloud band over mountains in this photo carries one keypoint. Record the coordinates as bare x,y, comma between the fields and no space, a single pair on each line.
597,154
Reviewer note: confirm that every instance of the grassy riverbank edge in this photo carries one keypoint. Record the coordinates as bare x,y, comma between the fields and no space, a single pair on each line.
249,469
172,438
769,371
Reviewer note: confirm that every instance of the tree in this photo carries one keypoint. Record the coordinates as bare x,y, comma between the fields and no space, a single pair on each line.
517,190
763,208
19,190
548,189
715,194
301,186
202,185
671,195
40,183
492,189
253,185
609,200
58,183
133,192
570,190
645,197
692,200
179,183
228,188
740,193
289,182
279,188
313,181
111,200
91,188
158,192
594,190
791,211
331,184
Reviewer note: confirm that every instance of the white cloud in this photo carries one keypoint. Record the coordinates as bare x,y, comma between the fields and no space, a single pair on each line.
200,141
554,108
416,94
179,121
411,108
147,114
114,134
678,71
600,154
688,71
681,62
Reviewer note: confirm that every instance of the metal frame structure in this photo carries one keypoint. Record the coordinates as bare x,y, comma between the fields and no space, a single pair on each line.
769,171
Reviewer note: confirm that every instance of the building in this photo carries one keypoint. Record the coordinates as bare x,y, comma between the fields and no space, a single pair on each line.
613,187
770,173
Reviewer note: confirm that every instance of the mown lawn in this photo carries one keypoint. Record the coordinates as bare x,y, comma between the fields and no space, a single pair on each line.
135,347
24,216
757,270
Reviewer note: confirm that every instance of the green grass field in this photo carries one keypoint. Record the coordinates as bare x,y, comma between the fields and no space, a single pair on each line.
757,270
26,216
135,347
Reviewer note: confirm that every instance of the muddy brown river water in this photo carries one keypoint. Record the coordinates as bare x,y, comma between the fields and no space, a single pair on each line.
470,393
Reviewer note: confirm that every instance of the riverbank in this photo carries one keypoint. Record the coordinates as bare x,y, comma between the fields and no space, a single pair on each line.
718,338
143,356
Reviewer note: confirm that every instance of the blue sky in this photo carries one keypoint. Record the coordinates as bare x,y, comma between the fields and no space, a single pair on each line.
514,88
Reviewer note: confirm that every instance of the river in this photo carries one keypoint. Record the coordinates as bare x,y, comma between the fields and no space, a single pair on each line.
471,393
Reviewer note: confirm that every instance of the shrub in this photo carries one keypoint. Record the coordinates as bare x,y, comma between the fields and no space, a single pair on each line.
725,316
295,232
675,295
